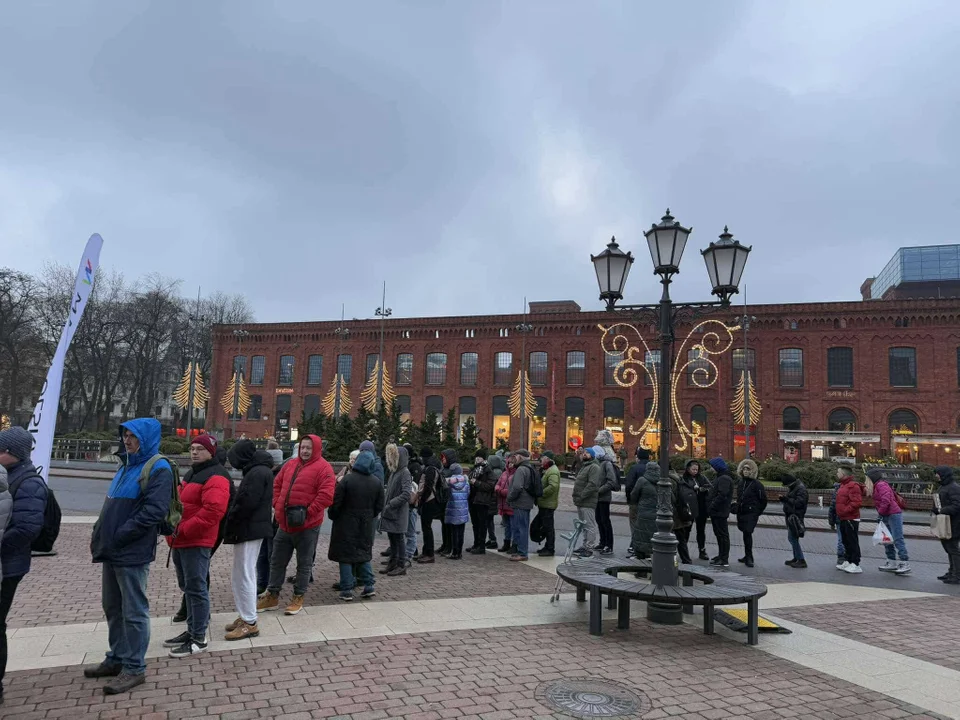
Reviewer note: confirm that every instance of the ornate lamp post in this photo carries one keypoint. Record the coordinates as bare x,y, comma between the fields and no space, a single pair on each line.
725,260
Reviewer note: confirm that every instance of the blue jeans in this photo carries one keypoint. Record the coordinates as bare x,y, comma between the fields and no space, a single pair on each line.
124,598
841,550
895,524
520,527
192,566
350,575
412,532
795,544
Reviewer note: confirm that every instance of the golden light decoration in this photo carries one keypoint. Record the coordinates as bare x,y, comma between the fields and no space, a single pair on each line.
181,396
739,401
714,337
4,422
368,396
338,388
239,387
522,393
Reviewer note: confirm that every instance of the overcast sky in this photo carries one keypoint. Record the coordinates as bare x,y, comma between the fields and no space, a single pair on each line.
473,152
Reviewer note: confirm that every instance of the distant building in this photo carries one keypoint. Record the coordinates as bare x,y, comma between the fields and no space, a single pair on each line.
931,271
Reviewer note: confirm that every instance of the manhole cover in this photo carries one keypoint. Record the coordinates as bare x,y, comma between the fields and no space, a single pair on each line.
592,698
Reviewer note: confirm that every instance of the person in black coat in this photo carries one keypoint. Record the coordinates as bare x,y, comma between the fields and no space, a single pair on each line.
634,474
693,473
794,510
685,495
719,499
751,502
949,496
357,501
248,523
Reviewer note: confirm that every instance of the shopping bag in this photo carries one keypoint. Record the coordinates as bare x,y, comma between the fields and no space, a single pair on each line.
882,536
941,526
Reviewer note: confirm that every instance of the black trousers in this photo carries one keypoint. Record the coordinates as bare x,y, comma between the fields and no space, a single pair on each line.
748,544
456,538
722,531
491,531
683,537
446,537
604,526
479,520
850,534
546,518
8,588
398,549
951,547
702,524
428,513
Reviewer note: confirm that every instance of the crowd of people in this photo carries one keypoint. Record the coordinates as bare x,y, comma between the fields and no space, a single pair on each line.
278,507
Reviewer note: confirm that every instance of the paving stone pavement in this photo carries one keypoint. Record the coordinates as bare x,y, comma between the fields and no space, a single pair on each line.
922,628
490,674
66,589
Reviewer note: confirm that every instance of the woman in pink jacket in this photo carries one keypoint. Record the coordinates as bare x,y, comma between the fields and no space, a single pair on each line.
506,512
885,502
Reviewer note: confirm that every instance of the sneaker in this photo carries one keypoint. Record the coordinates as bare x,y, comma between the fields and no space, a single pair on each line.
853,569
606,551
720,562
630,551
902,568
368,593
242,631
191,647
104,669
268,601
748,562
177,641
583,553
385,553
952,580
843,565
790,563
124,683
295,606
545,553
703,555
347,596
799,564
397,572
945,576
506,548
492,545
234,625
518,558
888,566
743,560
426,559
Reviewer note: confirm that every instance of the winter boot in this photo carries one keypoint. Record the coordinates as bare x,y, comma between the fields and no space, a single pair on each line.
506,546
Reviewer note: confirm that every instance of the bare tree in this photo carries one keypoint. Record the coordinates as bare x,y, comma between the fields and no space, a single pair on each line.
21,352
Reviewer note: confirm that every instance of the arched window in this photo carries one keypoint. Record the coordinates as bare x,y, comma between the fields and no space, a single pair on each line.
791,418
698,430
311,406
698,414
904,421
842,420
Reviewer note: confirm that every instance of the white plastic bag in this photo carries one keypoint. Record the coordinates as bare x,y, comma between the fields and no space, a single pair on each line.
882,536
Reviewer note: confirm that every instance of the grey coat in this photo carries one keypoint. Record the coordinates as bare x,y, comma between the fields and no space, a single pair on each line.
6,504
644,496
396,509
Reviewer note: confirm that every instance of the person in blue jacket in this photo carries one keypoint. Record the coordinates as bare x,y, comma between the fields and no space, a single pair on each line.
125,542
29,494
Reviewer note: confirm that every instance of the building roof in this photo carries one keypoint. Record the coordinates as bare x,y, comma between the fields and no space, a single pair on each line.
923,264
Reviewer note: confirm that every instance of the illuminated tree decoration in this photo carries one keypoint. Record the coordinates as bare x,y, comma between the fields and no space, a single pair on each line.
238,386
368,396
522,394
4,422
707,339
338,390
739,399
181,397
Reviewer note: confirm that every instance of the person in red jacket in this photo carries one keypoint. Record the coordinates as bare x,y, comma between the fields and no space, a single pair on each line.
302,491
849,501
205,494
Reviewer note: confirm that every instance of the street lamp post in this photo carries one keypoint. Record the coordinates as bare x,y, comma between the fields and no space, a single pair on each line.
383,312
725,261
237,374
523,328
745,324
342,334
194,342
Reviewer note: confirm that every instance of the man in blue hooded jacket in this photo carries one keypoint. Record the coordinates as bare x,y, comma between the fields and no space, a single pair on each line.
125,542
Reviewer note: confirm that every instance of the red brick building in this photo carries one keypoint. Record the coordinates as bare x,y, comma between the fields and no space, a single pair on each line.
860,378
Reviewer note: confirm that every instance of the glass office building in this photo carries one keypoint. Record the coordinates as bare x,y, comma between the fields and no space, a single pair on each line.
918,264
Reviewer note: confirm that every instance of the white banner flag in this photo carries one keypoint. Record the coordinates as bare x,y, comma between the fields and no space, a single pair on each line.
43,423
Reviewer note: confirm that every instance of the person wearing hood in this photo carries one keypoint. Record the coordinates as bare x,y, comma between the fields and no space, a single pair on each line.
483,484
302,491
205,494
644,496
368,446
849,501
458,511
685,514
751,502
357,501
719,500
248,524
794,511
413,519
890,512
503,507
609,482
585,490
521,499
693,473
634,474
448,458
548,502
431,507
949,504
125,542
396,508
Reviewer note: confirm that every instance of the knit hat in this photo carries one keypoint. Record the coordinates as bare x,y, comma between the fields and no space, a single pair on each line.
599,451
368,446
643,455
875,474
207,442
16,441
548,455
787,479
590,453
426,452
523,452
720,465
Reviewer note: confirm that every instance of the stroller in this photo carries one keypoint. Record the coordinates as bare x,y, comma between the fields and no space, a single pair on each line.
572,539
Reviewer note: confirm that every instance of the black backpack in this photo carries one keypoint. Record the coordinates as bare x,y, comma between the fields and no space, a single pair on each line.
536,482
616,473
51,520
442,487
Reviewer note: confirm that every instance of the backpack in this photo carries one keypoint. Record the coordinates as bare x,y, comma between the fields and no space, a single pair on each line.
536,482
168,526
610,468
442,487
51,520
537,533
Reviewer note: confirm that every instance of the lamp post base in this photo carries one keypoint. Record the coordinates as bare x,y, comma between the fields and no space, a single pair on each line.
664,614
664,571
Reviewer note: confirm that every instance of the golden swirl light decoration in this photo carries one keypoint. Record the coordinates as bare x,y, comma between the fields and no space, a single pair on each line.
710,338
368,396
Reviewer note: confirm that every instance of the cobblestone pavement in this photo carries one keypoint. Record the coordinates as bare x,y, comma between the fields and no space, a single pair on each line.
924,628
66,588
491,674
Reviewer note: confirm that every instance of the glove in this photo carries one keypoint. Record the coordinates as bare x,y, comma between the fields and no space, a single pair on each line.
936,511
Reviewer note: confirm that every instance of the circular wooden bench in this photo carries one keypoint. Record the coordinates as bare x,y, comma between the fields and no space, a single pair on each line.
598,577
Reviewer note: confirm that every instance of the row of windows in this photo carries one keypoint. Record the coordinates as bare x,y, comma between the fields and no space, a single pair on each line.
902,368
844,420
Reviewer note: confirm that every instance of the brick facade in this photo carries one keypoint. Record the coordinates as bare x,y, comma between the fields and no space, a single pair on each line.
930,326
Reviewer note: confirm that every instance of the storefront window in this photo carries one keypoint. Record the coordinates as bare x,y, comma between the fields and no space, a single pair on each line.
902,424
613,419
501,419
536,442
283,417
467,407
574,410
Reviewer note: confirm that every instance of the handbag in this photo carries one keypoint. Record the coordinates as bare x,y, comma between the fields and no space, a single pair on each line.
296,515
795,524
940,524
